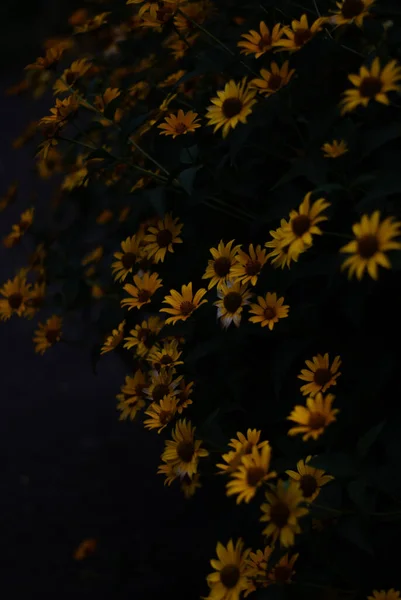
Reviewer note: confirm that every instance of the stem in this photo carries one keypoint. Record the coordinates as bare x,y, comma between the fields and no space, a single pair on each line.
144,153
334,511
78,143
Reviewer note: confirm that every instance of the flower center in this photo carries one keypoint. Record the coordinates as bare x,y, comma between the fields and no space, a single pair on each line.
231,107
322,376
229,576
52,335
300,225
279,514
166,360
15,300
269,312
36,301
70,78
282,574
254,475
222,266
368,246
317,420
139,389
186,308
159,391
352,8
275,82
180,128
253,267
264,43
232,301
370,86
128,260
185,451
308,485
144,295
301,36
165,417
164,238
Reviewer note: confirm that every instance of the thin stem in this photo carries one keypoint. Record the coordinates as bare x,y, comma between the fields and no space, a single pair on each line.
206,32
334,511
77,142
144,153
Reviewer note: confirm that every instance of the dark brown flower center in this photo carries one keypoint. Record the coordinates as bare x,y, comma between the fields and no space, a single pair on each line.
128,260
322,376
180,128
231,107
370,86
352,8
279,514
301,36
186,308
308,485
317,420
164,238
232,301
254,475
253,267
282,574
185,451
166,360
139,389
159,391
52,335
229,576
368,246
15,300
269,312
36,301
144,295
275,81
300,225
265,42
165,417
222,266
70,78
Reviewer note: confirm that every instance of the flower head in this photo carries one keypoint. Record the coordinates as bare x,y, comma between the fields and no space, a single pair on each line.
180,124
299,34
242,446
269,310
232,298
282,511
232,106
142,291
219,270
313,418
47,334
161,413
184,451
251,474
160,238
144,335
183,305
310,479
126,259
298,232
114,339
132,396
248,265
260,42
334,149
320,375
15,294
272,81
229,578
351,11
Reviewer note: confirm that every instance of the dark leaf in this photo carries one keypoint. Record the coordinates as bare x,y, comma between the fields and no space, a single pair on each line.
369,438
187,178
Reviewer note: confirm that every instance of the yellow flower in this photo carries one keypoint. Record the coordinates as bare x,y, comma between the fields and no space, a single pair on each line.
151,7
256,568
125,259
69,77
183,305
232,106
103,100
104,217
243,446
172,79
144,335
319,374
283,570
232,298
91,24
183,395
248,266
15,294
162,383
272,81
161,413
335,149
35,299
61,112
310,480
219,270
313,418
47,334
258,43
372,239
269,310
196,11
166,356
86,548
169,471
282,511
48,61
371,84
299,33
229,579
132,397
97,291
385,595
17,232
93,256
351,11
180,124
142,291
180,47
10,196
280,255
78,175
251,474
184,451
189,486
114,339
297,234
161,237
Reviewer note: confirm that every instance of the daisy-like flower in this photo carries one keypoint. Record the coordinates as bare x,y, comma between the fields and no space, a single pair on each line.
161,237
10,196
351,11
161,413
18,230
334,149
92,24
180,47
103,100
229,579
183,451
166,356
162,383
282,511
313,418
248,266
189,486
219,270
319,375
272,81
180,124
232,298
385,595
371,84
280,256
15,294
143,337
69,77
183,305
372,240
303,225
256,568
232,106
61,112
132,397
251,474
299,34
49,61
35,299
310,479
259,42
126,259
93,256
283,571
192,12
47,334
172,79
269,310
114,339
142,291
183,396
243,446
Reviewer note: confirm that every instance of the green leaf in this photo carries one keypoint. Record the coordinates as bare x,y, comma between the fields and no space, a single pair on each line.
156,197
355,530
189,155
369,438
187,178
